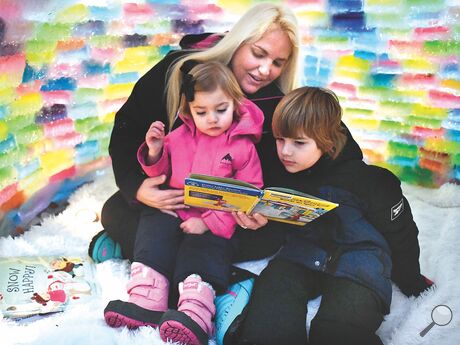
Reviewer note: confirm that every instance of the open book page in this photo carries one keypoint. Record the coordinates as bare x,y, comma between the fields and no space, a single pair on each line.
290,206
220,194
38,285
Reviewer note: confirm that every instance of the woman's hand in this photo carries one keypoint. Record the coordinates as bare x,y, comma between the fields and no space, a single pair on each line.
252,222
151,195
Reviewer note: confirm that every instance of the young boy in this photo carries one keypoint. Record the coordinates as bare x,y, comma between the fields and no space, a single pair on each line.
346,255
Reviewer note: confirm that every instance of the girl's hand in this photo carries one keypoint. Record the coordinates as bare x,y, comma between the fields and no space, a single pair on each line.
154,139
151,195
253,222
194,225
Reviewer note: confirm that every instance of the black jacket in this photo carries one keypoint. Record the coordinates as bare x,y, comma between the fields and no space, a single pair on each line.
375,193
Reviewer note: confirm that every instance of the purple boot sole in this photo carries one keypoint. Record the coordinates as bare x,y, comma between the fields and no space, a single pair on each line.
179,327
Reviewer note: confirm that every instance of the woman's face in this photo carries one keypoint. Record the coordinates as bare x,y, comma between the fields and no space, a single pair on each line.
257,64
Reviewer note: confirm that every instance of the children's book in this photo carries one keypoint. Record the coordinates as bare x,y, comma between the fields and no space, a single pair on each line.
38,285
279,204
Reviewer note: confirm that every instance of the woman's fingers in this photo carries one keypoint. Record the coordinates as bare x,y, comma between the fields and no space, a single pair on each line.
252,222
151,195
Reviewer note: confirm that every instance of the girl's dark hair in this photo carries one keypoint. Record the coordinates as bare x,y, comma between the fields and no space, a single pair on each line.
314,112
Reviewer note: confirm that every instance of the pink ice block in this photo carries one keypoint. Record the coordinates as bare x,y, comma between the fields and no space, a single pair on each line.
137,13
8,192
444,99
64,70
419,80
56,97
10,10
106,54
68,140
405,47
423,133
12,64
59,128
64,174
432,33
30,87
342,89
97,81
110,106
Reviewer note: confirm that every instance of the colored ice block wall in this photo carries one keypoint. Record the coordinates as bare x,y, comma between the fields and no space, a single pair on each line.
395,66
67,66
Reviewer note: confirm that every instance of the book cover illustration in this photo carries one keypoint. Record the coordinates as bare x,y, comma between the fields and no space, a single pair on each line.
279,204
38,285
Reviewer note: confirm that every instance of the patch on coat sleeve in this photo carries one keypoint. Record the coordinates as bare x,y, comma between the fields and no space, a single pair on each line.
397,209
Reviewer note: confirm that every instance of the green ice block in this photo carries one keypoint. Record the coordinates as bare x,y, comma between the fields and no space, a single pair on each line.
402,149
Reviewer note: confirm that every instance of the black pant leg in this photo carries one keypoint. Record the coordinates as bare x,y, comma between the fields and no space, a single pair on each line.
158,240
256,245
208,255
276,313
120,220
349,314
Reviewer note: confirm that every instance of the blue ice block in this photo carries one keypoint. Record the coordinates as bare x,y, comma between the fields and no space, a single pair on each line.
123,78
345,5
91,67
105,14
59,84
354,21
83,110
8,144
89,28
27,168
31,73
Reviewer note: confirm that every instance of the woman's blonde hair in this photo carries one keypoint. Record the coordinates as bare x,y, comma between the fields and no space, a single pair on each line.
314,112
210,76
257,21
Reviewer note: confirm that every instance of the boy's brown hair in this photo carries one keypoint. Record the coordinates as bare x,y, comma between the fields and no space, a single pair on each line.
314,112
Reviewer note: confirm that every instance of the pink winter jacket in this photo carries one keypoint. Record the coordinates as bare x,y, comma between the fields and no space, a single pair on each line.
231,154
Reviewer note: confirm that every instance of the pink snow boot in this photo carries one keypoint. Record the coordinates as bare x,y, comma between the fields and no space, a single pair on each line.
191,323
148,300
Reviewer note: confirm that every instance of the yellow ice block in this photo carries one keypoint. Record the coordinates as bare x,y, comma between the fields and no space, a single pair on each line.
73,14
136,59
10,80
442,145
352,63
27,104
429,112
7,94
115,91
363,123
239,6
313,18
451,84
420,65
109,117
56,161
3,130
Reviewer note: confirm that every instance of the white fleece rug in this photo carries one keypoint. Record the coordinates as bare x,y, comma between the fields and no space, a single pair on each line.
437,213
